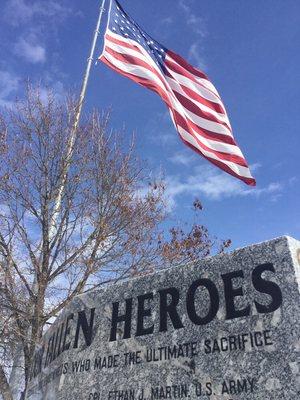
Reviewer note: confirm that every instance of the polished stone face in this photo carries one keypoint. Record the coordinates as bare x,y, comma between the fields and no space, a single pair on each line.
225,328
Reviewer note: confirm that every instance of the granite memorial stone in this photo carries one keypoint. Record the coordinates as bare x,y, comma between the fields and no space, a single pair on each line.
227,327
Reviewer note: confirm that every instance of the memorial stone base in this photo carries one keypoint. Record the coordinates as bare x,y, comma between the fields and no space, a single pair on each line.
225,328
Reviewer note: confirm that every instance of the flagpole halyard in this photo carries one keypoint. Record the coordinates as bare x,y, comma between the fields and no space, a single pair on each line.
72,138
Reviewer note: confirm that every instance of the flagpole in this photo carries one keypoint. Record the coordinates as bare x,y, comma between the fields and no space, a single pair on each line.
88,70
72,138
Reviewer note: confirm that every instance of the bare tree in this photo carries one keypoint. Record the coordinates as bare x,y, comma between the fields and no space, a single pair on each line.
104,230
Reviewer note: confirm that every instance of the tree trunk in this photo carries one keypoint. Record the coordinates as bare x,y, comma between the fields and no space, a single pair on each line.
4,386
16,379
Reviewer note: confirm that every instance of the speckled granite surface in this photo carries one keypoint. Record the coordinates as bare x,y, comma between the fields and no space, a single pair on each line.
226,328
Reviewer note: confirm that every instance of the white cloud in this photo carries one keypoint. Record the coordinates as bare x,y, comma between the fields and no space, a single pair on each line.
21,11
197,25
17,11
165,139
30,51
9,84
182,158
195,22
167,21
254,167
195,54
214,185
56,88
293,180
36,23
161,131
274,187
183,6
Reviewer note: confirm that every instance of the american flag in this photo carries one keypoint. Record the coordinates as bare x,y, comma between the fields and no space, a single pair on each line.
196,108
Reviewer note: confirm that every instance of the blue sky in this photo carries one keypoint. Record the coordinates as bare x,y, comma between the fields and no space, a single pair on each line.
250,51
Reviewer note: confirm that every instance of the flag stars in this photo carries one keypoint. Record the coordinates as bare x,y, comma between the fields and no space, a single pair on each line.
126,27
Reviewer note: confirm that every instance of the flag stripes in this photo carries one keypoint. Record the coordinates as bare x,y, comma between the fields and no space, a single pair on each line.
196,108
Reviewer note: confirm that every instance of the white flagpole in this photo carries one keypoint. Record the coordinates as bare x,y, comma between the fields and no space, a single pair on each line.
72,138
